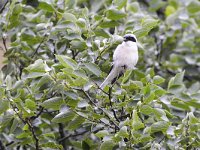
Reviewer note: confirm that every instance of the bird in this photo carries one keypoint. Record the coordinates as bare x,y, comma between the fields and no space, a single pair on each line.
125,57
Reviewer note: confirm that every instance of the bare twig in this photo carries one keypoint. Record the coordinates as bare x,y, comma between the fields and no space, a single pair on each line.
10,143
4,6
2,147
62,135
102,51
34,135
74,54
102,109
28,123
40,112
36,50
111,106
72,135
4,44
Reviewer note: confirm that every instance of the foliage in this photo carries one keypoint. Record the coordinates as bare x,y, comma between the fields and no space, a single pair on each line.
61,51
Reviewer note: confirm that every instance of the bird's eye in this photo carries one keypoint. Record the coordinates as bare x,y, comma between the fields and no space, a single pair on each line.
130,38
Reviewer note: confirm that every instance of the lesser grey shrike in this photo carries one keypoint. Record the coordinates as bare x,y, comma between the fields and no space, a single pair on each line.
125,57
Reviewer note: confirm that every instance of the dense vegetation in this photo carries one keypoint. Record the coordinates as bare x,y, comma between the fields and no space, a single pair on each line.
61,50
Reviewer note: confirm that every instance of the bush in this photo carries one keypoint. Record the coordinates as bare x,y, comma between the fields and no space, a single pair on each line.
62,50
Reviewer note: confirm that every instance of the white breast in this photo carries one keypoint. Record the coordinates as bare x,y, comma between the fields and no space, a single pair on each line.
126,54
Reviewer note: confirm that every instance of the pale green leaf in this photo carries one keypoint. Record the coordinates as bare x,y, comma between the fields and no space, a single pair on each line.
114,14
93,68
65,116
107,145
53,103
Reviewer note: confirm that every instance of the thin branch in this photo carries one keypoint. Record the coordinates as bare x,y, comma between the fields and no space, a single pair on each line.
102,51
62,135
102,109
74,54
99,87
36,50
72,135
10,143
111,106
26,122
40,112
34,135
2,147
4,6
4,44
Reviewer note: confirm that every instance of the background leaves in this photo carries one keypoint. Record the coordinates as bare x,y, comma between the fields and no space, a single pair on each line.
60,51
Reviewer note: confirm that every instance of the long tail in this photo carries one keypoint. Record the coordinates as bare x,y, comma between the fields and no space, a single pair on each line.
111,78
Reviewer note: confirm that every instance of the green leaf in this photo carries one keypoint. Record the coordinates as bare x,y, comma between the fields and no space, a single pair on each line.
52,145
158,79
107,145
23,135
123,132
160,126
14,17
147,110
114,14
194,103
179,104
101,32
178,79
193,7
4,105
14,126
65,116
30,104
149,98
102,133
26,127
136,122
8,82
53,103
78,45
141,32
108,24
75,123
38,66
147,25
45,6
93,68
120,3
69,17
169,10
81,22
67,61
85,145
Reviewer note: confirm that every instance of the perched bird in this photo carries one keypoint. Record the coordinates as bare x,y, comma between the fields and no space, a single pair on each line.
125,57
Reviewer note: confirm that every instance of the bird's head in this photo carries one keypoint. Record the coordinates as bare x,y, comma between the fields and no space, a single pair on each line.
130,37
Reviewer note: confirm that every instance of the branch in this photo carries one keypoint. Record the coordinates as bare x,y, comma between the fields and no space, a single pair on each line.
102,51
8,144
62,135
4,44
40,112
4,6
36,50
111,106
72,135
34,135
2,147
102,109
26,122
74,54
